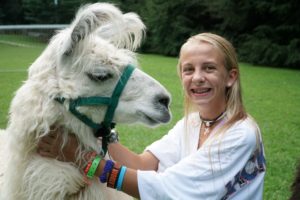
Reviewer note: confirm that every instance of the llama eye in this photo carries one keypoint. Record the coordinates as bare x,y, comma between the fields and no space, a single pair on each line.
99,76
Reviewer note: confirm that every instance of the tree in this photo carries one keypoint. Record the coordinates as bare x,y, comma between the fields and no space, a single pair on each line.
171,23
264,32
50,11
11,12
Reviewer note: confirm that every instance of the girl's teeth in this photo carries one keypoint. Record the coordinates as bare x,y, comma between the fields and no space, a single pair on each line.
201,90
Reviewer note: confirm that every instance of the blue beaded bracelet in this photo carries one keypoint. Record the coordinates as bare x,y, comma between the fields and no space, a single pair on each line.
107,168
121,178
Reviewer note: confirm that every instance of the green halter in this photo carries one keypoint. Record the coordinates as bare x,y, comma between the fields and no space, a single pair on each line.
104,128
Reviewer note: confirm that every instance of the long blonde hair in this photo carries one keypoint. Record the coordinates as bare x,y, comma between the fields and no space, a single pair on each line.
234,109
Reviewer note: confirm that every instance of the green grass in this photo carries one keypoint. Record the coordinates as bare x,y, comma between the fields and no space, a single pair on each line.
14,62
20,40
271,96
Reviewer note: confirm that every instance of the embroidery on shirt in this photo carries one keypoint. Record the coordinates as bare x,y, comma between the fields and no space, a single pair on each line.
254,166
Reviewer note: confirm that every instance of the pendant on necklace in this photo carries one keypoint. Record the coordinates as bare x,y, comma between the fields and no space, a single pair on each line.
207,125
206,130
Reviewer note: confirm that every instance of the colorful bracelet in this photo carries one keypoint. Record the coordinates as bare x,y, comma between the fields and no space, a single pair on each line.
121,178
87,168
107,169
91,172
113,176
88,158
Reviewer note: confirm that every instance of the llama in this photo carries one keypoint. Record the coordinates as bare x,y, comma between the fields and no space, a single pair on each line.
84,62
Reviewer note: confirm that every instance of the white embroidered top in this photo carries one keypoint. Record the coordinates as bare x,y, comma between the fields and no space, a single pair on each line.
227,166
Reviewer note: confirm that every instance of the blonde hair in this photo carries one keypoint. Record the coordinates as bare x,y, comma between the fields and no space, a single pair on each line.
234,109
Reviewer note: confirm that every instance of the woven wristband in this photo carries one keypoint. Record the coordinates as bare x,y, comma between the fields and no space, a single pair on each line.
121,178
113,176
93,167
107,168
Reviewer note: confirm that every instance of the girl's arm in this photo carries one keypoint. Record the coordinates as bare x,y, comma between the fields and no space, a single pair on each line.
143,161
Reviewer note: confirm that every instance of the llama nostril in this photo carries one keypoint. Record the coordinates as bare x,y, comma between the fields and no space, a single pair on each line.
164,101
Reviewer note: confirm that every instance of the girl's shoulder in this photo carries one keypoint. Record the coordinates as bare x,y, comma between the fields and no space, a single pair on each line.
247,124
246,131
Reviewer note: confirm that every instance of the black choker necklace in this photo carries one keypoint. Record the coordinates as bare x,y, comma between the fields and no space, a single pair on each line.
208,123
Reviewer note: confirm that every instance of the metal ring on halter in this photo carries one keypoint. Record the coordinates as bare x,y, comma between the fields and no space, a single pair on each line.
113,137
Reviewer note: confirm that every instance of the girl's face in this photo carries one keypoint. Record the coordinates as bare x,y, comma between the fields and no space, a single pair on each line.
204,76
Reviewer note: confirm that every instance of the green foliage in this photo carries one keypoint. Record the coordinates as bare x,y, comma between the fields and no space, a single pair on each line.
59,11
263,32
11,12
171,23
266,52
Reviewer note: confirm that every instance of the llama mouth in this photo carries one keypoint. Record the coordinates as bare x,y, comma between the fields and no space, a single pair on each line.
151,120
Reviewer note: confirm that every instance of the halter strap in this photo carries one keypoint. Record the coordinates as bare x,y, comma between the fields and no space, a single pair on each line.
117,93
103,129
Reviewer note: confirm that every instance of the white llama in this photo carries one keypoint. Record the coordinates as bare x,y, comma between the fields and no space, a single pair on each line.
82,62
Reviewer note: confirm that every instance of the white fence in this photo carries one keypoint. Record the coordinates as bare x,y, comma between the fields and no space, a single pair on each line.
11,34
33,27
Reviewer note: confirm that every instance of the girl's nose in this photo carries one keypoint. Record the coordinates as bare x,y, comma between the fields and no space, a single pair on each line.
198,77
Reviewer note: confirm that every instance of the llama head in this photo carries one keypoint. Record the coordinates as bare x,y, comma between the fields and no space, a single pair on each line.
88,58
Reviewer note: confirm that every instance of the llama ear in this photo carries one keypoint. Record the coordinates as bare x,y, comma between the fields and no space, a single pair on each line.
127,33
87,20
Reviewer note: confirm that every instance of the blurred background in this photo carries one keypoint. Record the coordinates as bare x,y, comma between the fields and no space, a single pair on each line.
264,32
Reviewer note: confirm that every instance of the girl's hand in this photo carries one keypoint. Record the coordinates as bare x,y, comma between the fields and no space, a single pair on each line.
51,146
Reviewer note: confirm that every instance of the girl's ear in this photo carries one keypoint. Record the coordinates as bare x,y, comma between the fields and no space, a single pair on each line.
232,76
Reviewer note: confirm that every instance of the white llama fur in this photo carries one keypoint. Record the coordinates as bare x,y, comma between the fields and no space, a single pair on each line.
2,158
99,43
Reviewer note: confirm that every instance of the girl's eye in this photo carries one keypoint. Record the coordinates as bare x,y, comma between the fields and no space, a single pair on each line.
187,69
209,68
99,77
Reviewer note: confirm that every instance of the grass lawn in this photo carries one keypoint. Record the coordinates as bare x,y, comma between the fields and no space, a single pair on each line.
271,96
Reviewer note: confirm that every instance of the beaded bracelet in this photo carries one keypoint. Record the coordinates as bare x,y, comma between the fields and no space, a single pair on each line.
107,168
121,178
91,172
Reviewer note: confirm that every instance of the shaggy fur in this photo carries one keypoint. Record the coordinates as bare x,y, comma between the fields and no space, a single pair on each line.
85,59
2,158
296,185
